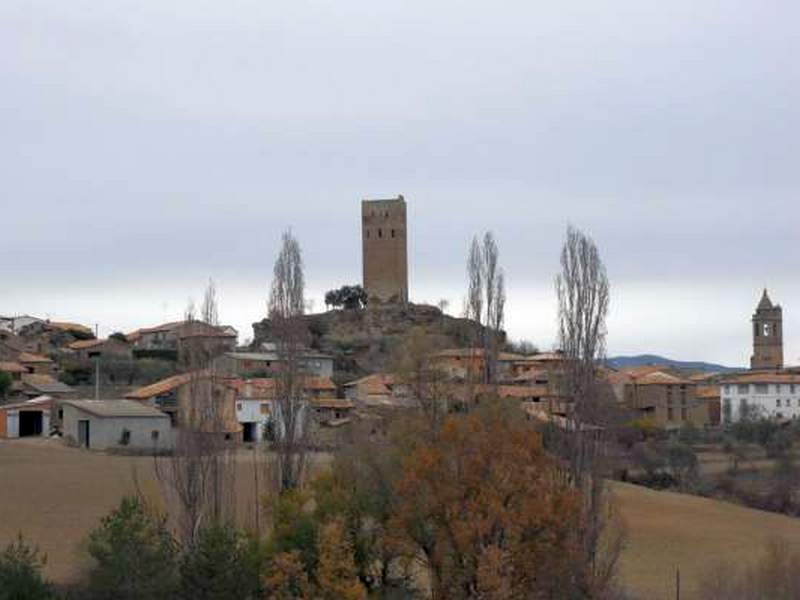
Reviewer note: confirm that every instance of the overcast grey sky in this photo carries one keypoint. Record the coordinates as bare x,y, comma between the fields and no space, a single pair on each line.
146,145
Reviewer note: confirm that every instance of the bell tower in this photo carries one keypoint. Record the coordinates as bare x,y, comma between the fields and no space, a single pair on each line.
767,335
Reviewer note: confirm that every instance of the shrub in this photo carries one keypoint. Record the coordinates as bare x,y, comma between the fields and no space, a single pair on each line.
135,555
5,383
223,563
21,573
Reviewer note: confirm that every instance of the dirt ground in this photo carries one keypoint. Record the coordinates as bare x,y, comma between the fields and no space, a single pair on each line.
55,495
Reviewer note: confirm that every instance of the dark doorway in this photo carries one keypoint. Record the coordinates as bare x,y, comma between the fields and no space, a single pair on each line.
83,433
248,432
30,423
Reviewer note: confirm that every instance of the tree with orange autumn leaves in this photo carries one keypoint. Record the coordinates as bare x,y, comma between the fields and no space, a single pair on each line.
488,515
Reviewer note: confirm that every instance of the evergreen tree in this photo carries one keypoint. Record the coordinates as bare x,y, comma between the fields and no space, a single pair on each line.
135,555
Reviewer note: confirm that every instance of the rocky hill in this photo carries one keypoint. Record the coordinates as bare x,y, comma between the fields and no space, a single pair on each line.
363,341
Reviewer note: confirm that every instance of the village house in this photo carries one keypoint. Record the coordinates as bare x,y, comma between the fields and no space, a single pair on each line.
765,394
175,336
86,350
332,412
15,371
665,399
469,363
36,363
36,384
15,324
11,346
269,362
380,389
26,419
115,424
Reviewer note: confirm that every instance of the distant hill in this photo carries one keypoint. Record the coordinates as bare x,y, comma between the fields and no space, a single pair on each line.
618,362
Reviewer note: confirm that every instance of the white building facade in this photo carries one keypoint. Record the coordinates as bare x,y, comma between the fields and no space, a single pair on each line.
771,396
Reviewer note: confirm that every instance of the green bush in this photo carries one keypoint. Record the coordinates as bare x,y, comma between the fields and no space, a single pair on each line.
135,555
21,573
223,563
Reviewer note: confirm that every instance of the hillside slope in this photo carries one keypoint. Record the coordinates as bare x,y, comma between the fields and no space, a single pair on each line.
618,362
362,341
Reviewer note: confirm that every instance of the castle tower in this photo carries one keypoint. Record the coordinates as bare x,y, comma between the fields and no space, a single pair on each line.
767,335
384,249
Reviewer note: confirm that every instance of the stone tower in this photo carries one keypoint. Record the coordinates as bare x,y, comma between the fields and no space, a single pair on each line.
384,249
767,335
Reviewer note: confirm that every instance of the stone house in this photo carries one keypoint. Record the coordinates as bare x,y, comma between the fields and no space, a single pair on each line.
667,400
269,362
86,350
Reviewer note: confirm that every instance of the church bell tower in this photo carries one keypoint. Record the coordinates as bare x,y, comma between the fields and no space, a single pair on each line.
767,335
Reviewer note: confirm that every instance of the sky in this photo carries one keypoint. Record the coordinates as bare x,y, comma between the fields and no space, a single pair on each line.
147,145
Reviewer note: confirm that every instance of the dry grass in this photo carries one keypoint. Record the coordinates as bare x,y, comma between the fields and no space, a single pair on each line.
56,495
667,530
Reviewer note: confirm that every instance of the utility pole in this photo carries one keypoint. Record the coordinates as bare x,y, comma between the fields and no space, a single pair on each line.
96,367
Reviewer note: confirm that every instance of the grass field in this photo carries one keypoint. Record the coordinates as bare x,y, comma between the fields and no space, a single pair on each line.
56,495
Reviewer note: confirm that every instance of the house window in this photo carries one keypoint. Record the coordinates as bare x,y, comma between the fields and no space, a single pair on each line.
239,406
726,409
380,232
367,233
743,388
727,389
788,402
777,388
778,402
154,435
791,387
669,413
125,438
392,232
264,408
763,388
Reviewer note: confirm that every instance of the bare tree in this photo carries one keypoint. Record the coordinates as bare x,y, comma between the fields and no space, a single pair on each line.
583,298
286,308
486,298
209,312
198,478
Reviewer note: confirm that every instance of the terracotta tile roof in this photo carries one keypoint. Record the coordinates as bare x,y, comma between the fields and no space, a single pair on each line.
160,387
28,357
319,384
200,329
335,403
378,384
266,387
708,392
616,377
159,328
661,378
66,326
703,376
543,357
764,377
640,370
84,344
12,367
